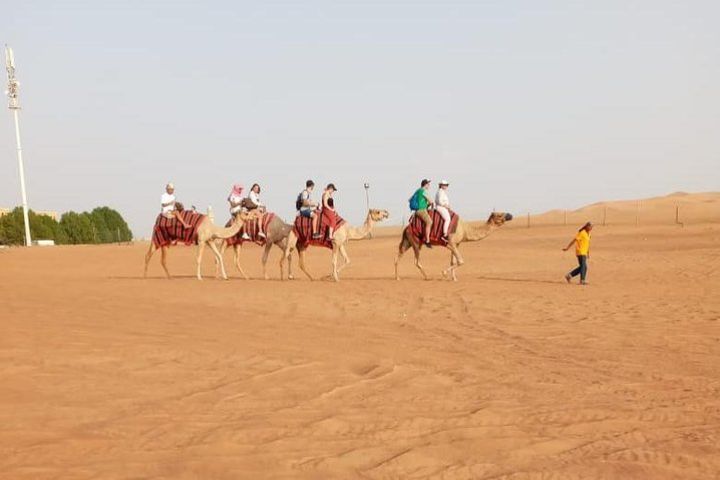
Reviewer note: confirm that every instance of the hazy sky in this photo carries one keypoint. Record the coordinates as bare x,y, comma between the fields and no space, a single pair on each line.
521,105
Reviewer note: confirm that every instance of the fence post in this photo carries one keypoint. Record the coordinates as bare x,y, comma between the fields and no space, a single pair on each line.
604,216
528,220
677,214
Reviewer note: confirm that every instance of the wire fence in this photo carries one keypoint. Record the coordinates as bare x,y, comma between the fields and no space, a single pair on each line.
608,215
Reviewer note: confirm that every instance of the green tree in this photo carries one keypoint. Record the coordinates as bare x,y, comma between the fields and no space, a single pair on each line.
42,227
102,225
115,224
77,227
12,231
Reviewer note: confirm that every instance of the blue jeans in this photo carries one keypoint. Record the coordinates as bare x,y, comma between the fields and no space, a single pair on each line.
581,269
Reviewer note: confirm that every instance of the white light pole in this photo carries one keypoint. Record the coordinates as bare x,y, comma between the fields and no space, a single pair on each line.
14,105
367,201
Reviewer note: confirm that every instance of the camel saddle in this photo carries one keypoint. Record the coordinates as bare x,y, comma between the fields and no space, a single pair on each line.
169,231
417,227
303,231
251,227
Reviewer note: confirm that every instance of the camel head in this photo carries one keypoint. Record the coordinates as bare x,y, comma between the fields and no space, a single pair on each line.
377,215
498,219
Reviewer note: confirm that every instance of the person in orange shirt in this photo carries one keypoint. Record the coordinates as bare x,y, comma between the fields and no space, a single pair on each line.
582,251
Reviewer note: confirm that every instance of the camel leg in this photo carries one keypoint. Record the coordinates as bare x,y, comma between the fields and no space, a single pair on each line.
218,258
404,245
286,254
148,256
346,259
201,247
266,254
456,261
335,253
452,263
301,260
223,247
289,261
290,243
163,260
291,276
236,260
416,251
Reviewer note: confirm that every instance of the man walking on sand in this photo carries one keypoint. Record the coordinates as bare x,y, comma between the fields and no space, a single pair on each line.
582,251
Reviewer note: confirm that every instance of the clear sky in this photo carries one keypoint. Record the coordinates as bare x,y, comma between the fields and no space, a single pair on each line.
521,105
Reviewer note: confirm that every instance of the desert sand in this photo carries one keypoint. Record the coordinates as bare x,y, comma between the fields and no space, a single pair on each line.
509,373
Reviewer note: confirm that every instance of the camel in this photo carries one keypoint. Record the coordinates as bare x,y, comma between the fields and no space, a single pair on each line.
464,233
207,232
276,233
342,235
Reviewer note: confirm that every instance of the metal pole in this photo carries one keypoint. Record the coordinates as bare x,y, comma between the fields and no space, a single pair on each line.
13,104
21,169
367,202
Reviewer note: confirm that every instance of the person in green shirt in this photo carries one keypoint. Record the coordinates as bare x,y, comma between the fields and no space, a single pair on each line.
424,201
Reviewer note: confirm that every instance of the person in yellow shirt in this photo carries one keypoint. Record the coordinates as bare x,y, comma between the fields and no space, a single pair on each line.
582,251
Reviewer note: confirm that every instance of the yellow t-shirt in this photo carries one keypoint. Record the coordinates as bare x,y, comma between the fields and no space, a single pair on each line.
582,244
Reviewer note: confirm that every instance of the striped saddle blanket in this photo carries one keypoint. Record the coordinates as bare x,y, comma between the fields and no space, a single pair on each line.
303,231
417,227
252,229
169,231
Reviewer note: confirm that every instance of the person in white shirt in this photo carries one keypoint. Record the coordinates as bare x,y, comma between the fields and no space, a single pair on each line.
442,205
167,200
235,199
306,207
252,202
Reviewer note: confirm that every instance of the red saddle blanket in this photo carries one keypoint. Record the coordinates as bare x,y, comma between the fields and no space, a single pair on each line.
303,231
169,231
252,229
417,227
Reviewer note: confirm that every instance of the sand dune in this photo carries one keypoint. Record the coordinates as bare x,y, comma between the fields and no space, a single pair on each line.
688,208
508,374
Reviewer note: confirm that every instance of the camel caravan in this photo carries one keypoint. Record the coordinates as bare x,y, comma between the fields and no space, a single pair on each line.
317,224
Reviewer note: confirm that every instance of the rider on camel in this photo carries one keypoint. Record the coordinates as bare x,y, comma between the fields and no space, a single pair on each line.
328,209
168,202
252,202
235,199
306,207
420,202
442,205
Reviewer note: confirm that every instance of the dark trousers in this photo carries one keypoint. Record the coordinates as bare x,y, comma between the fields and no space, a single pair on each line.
581,269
